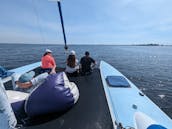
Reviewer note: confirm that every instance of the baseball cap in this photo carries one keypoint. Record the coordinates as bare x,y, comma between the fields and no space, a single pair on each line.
72,52
48,50
26,76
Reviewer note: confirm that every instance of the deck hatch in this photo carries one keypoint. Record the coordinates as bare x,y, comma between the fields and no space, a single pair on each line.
117,81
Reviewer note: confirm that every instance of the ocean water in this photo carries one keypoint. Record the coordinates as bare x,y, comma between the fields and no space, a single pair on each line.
148,67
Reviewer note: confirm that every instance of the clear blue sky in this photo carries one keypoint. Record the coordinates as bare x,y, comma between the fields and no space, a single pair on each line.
87,22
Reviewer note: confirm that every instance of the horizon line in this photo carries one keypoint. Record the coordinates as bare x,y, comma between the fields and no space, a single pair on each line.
141,44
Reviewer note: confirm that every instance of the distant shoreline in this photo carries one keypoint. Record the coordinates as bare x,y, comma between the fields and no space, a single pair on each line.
151,44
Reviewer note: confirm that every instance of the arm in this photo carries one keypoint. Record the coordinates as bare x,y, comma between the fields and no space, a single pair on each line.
34,81
54,66
53,70
24,85
93,61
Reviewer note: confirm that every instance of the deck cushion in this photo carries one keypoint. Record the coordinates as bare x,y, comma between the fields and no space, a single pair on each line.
18,109
4,73
51,96
117,81
17,100
155,126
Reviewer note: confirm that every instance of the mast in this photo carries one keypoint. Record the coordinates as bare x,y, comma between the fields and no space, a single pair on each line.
62,23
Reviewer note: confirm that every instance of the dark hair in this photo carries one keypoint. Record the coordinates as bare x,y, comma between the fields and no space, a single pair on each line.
46,53
71,61
87,53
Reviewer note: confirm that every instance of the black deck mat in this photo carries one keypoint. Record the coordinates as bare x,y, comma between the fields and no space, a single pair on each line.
91,110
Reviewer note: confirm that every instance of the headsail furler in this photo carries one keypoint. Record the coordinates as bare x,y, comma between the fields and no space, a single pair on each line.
62,23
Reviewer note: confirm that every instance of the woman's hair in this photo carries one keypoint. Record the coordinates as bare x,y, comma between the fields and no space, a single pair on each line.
46,53
71,61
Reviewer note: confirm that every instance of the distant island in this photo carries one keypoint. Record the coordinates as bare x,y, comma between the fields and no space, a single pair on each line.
150,44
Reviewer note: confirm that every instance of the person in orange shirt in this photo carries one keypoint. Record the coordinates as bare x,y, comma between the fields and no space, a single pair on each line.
48,62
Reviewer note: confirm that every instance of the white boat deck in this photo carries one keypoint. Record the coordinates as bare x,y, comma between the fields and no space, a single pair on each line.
125,102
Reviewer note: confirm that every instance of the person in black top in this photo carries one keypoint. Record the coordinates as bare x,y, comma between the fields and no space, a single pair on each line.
86,63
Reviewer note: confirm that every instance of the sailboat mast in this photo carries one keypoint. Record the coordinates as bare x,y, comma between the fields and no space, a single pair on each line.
62,23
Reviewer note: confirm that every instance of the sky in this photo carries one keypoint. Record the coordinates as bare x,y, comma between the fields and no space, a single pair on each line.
116,22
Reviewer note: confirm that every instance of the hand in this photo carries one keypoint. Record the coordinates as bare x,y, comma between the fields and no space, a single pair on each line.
52,72
18,83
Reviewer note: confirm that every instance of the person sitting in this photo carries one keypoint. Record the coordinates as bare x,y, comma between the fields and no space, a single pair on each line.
48,62
86,63
72,68
27,82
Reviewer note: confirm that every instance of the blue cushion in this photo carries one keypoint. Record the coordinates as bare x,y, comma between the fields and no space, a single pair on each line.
49,97
18,109
4,73
117,81
154,126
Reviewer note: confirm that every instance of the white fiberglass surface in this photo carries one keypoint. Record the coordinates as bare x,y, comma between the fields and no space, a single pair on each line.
26,68
126,101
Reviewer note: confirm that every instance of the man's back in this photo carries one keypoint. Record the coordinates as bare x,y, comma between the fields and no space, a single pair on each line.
86,63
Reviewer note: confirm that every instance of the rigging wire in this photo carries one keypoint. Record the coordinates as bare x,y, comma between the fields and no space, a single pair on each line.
38,21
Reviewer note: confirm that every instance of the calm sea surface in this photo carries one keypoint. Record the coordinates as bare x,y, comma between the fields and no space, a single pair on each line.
148,67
